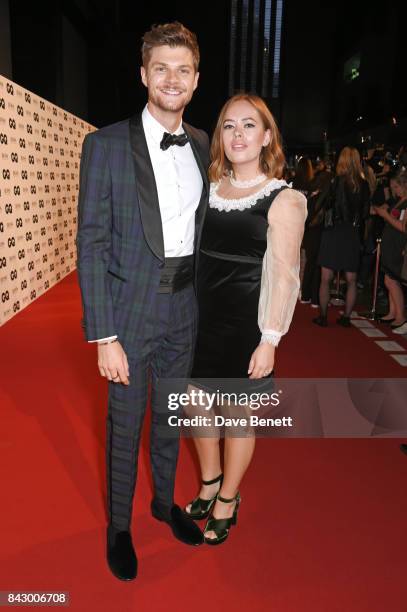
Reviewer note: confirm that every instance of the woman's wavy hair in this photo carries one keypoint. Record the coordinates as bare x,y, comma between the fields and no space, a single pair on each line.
349,166
401,179
272,159
304,173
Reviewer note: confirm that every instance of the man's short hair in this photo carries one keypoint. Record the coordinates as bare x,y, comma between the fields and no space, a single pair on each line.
172,34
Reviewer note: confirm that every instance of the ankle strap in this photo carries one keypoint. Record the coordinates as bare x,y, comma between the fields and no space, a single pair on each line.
217,479
228,501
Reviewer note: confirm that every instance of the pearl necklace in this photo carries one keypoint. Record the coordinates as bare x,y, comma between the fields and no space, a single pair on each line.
245,184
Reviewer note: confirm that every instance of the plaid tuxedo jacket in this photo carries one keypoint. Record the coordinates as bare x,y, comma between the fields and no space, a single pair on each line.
120,240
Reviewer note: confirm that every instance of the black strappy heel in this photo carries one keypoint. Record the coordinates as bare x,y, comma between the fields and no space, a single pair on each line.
200,508
222,526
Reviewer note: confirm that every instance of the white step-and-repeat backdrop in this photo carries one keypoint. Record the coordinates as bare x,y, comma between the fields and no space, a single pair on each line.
40,146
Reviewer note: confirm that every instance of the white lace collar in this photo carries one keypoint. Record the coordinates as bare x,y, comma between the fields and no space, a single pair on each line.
215,201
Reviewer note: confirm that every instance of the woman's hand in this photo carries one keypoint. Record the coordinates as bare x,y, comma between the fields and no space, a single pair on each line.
262,361
382,210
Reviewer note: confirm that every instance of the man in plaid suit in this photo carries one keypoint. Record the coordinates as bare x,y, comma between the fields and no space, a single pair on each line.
142,201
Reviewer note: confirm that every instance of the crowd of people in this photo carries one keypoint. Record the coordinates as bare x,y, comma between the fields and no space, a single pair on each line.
352,209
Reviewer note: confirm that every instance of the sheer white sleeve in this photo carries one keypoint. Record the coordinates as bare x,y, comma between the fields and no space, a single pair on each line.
280,281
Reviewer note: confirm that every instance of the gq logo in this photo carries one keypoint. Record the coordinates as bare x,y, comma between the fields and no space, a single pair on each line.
5,296
3,138
10,89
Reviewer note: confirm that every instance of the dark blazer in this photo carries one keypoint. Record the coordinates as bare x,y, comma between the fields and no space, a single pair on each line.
120,239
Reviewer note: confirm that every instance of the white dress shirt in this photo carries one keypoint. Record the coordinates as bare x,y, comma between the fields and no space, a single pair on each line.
179,186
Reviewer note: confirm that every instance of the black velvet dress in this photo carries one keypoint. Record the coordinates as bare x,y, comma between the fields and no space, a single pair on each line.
229,277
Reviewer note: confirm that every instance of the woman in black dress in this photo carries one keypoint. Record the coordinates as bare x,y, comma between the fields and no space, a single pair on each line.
394,243
348,207
248,285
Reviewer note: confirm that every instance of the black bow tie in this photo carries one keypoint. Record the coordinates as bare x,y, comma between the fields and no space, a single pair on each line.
173,139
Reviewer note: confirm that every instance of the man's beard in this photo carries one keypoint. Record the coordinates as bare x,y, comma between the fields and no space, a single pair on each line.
175,105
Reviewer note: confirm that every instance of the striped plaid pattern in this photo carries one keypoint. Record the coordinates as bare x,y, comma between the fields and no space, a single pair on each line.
168,354
118,272
119,269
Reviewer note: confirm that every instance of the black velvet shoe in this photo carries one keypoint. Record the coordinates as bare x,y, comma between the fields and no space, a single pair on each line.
321,321
183,528
344,321
121,556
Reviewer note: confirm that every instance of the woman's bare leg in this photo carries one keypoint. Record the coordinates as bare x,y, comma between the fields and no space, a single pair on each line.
238,455
209,460
396,298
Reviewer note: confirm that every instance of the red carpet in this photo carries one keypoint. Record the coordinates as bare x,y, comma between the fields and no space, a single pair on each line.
322,527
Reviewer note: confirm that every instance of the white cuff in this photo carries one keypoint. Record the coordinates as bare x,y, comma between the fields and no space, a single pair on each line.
103,339
270,336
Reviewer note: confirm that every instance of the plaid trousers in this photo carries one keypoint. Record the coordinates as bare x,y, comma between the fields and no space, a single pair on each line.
168,353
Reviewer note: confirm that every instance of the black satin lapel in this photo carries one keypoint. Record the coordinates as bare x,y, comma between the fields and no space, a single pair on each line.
203,203
146,189
195,150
